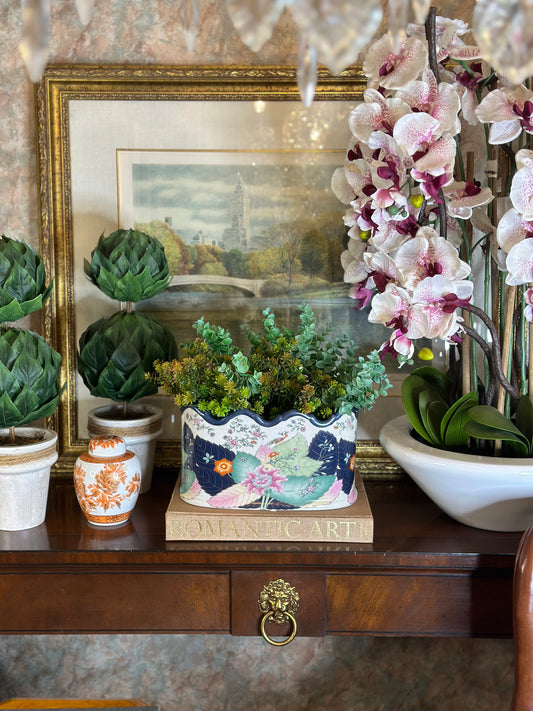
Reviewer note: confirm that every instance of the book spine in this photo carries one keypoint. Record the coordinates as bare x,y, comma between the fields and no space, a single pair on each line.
211,527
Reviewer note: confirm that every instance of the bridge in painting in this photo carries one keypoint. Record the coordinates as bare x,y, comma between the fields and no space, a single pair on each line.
250,286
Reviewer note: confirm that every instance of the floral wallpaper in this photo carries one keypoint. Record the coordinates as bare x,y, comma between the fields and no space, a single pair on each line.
215,673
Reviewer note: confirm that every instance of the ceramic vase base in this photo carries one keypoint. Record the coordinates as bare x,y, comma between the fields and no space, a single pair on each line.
108,521
490,493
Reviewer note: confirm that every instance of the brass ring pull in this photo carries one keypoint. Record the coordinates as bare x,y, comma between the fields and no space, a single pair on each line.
282,643
278,601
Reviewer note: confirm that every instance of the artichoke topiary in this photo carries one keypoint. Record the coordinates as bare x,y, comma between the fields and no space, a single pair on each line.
115,353
29,371
23,286
128,265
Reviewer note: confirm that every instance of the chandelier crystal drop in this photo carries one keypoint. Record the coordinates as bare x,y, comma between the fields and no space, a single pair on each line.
190,16
503,30
34,44
85,10
306,74
334,33
254,20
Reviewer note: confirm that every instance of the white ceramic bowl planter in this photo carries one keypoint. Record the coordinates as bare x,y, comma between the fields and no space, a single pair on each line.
25,478
493,493
139,433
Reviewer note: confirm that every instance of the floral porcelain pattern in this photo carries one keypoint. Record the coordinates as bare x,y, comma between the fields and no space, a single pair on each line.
293,462
107,481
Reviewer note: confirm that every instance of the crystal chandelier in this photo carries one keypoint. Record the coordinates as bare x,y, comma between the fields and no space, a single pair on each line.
331,32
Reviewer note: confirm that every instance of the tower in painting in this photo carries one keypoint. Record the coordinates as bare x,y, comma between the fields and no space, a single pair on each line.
237,235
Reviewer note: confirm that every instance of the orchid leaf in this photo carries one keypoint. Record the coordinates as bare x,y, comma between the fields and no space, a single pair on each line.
432,411
434,377
453,432
488,423
524,418
412,388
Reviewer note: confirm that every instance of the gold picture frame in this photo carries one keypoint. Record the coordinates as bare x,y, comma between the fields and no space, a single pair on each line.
68,193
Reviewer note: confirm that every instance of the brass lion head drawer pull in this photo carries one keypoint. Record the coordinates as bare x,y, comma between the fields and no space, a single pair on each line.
278,601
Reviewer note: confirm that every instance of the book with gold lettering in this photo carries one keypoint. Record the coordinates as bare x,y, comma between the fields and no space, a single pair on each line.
352,524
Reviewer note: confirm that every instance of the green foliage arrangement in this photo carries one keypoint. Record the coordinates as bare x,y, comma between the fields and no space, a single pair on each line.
117,352
29,367
306,370
459,423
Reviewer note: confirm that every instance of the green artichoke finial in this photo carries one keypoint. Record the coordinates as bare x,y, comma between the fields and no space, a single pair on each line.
23,286
115,354
128,265
29,372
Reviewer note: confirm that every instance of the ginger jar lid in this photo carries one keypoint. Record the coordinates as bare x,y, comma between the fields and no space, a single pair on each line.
103,447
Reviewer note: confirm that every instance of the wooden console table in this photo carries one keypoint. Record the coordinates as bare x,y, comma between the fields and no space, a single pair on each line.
423,575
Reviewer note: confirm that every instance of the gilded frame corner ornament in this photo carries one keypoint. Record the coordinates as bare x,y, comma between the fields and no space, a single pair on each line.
63,84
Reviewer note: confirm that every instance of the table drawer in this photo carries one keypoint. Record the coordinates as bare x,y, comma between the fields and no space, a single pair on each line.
459,604
114,602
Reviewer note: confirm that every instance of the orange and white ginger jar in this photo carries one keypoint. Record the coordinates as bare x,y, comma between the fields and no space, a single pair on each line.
107,480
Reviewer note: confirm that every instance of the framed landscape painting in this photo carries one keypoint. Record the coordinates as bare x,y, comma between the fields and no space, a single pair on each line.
228,169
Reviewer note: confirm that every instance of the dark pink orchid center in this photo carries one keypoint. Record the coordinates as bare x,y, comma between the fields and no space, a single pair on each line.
452,302
387,67
472,188
389,172
409,226
470,80
433,269
362,297
398,322
525,114
354,154
433,185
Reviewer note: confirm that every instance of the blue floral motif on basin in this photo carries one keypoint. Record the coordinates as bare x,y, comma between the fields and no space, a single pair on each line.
244,462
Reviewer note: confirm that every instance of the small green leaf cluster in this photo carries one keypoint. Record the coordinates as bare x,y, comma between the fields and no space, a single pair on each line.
462,424
23,286
306,370
129,266
115,354
29,372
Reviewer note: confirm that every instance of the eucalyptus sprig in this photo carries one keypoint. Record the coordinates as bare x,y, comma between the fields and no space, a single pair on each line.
307,371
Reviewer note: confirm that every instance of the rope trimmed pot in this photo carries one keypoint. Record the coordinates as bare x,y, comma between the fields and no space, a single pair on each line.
140,432
25,478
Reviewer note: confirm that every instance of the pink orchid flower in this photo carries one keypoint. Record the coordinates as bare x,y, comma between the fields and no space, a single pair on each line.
466,83
519,263
521,192
463,197
390,70
449,42
430,311
441,101
426,255
352,260
376,113
512,229
509,110
398,345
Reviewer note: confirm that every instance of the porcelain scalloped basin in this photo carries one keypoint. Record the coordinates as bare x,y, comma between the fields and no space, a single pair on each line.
493,493
244,462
